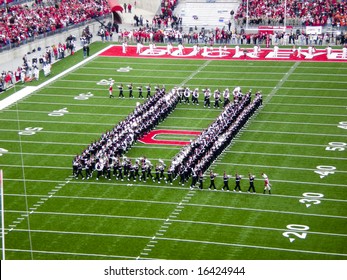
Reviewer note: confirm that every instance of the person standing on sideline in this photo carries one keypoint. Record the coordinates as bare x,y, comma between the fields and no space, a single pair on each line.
251,183
237,182
124,47
110,90
212,177
275,51
267,185
329,51
226,182
139,47
180,49
169,48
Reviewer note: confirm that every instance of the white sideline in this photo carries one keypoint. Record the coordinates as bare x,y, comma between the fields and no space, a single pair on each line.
13,98
8,101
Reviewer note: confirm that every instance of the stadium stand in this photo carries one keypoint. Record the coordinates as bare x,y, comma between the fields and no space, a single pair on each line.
206,13
307,13
174,21
20,22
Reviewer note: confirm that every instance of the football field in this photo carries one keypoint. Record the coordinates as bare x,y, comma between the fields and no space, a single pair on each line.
298,138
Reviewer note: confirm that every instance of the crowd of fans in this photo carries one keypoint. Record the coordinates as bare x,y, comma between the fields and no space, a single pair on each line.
299,12
29,70
167,17
20,22
225,37
103,155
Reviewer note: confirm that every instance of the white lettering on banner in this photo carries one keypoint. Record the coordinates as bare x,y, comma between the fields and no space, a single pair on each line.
280,54
238,54
215,53
310,56
176,54
251,55
336,55
156,52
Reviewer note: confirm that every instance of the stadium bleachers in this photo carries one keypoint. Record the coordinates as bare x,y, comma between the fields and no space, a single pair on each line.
206,13
21,22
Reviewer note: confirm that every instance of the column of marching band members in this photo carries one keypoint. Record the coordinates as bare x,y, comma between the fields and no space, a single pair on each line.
103,155
194,159
106,156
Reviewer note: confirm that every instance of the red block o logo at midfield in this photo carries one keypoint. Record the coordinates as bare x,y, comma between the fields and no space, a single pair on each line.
150,137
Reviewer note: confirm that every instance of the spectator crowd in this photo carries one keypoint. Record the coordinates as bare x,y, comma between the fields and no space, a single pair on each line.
19,22
299,12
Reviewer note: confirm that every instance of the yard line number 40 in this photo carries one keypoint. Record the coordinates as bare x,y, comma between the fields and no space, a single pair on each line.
325,170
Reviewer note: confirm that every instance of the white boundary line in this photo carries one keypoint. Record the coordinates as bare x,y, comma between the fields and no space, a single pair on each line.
15,97
177,204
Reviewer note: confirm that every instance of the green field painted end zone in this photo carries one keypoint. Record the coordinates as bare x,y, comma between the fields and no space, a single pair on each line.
298,139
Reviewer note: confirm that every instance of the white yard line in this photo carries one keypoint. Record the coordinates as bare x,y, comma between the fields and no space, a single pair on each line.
174,220
169,159
73,254
191,193
205,242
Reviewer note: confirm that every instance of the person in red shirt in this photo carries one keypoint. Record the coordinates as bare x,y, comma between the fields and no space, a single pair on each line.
129,8
267,185
110,90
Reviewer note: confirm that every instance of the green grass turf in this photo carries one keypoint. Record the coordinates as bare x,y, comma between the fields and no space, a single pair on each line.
49,215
